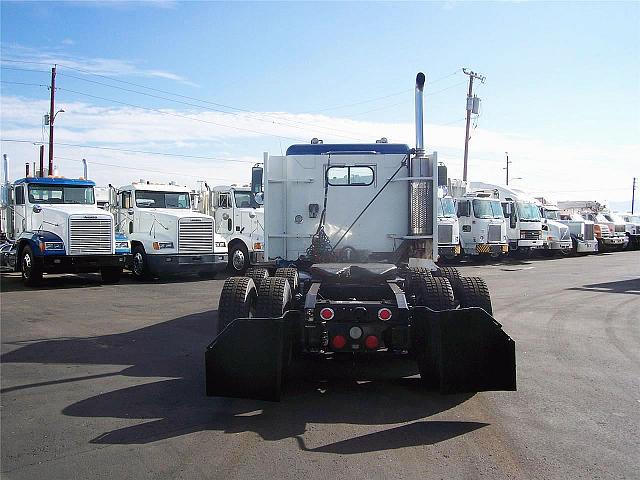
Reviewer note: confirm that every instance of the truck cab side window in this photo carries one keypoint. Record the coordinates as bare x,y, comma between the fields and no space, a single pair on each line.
20,195
224,200
125,199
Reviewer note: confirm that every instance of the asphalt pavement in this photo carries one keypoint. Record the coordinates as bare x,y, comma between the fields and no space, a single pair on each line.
108,382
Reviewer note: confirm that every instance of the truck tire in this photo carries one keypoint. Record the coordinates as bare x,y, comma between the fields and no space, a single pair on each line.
473,292
238,259
274,296
257,274
435,293
110,275
450,273
31,270
139,264
291,274
237,300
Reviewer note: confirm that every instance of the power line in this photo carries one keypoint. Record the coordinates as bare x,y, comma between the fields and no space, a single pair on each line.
145,170
22,69
23,83
198,157
179,115
289,123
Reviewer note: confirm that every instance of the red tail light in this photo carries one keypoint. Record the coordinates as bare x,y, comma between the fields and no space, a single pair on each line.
338,342
326,313
384,314
371,342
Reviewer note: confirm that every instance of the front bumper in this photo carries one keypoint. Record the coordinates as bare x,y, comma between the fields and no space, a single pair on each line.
559,245
492,248
257,256
81,263
529,243
587,246
449,249
615,241
187,263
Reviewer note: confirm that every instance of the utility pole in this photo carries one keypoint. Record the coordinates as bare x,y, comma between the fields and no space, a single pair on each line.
507,167
52,117
633,194
470,108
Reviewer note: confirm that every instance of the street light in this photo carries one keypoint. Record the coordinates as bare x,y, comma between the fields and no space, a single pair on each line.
56,114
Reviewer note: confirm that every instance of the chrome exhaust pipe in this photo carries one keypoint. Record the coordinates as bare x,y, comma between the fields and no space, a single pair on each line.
420,79
84,167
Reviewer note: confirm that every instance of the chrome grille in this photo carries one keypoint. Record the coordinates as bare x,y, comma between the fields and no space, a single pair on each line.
89,236
445,234
588,231
493,233
195,235
621,228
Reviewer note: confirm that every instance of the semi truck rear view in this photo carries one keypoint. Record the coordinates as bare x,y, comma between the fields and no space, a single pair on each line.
351,240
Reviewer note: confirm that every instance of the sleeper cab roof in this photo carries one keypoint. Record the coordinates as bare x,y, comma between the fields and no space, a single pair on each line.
325,148
56,181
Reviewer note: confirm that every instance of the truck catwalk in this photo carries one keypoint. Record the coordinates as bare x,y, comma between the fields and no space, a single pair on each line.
97,382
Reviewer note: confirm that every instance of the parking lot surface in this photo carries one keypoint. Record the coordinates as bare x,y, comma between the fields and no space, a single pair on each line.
108,382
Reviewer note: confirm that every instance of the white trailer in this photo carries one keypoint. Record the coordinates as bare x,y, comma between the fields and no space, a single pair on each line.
239,219
483,229
524,222
53,225
166,235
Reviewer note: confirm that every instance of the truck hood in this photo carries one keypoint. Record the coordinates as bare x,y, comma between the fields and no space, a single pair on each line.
54,217
557,229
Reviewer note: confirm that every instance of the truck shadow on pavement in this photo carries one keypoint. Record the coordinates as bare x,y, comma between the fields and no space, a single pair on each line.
622,286
376,393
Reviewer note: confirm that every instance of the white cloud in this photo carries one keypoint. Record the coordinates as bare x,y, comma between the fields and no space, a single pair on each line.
109,67
558,170
68,41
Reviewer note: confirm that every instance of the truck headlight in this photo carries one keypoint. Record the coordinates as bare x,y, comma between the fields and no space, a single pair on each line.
161,245
53,246
221,244
122,245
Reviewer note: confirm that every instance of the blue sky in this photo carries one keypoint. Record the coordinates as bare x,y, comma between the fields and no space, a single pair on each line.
561,92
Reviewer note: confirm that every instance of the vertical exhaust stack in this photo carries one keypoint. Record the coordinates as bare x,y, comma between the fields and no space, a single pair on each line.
420,190
4,197
26,169
84,169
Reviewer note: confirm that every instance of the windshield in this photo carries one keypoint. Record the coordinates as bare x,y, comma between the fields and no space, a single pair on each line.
551,214
482,208
496,208
601,218
446,208
149,199
245,199
614,218
528,212
61,194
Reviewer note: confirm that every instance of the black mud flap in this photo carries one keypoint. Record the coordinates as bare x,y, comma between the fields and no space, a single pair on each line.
470,351
246,359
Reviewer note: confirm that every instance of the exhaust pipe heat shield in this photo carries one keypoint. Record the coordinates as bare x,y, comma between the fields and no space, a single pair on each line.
470,351
245,360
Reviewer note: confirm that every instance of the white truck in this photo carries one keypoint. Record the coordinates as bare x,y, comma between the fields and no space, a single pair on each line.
351,237
582,230
622,227
166,235
605,232
556,235
448,227
524,223
632,223
239,219
53,225
483,229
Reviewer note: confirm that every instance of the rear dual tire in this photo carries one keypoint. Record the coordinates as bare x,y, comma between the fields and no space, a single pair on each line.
237,300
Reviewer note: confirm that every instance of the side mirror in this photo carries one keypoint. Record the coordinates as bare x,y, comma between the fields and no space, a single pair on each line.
37,209
463,209
256,179
506,208
259,197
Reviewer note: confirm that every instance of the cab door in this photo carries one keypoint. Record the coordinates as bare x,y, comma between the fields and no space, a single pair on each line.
224,213
20,211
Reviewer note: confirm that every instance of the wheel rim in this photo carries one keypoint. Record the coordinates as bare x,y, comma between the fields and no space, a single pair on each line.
238,260
26,266
138,263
